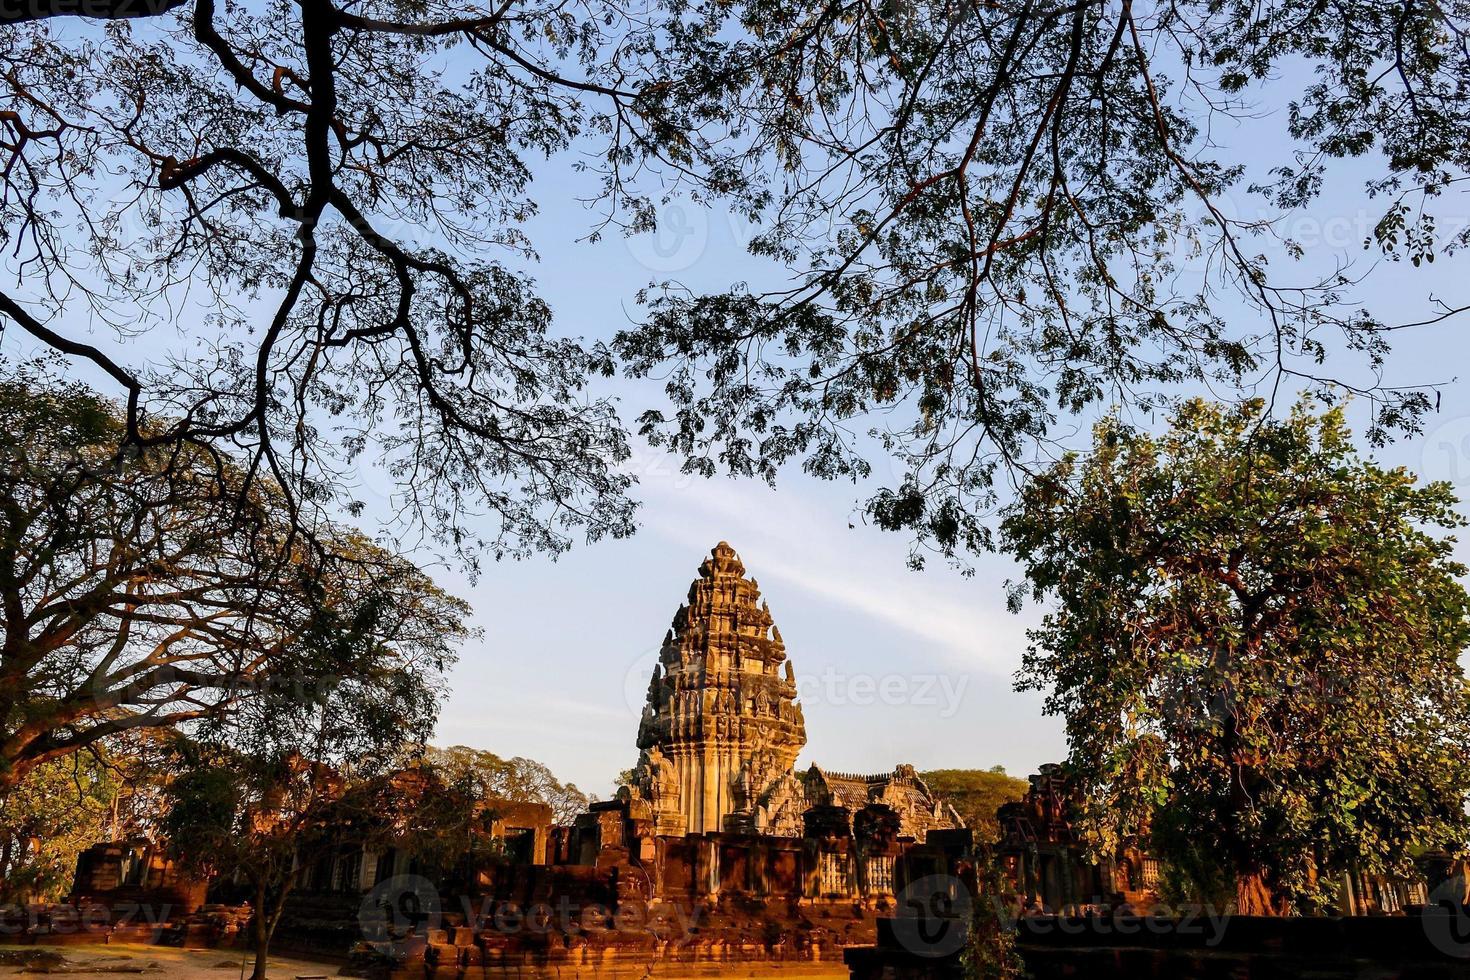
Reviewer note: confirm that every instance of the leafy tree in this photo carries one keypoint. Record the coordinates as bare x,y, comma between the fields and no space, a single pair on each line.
271,818
516,780
46,822
62,807
1255,644
976,794
149,593
983,208
292,776
990,950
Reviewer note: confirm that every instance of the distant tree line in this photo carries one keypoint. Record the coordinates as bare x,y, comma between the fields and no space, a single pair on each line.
976,794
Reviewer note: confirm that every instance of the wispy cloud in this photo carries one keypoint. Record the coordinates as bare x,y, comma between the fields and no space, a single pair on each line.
792,538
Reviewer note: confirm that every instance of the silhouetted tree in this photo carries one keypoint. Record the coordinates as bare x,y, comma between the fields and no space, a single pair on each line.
154,590
982,206
987,207
344,200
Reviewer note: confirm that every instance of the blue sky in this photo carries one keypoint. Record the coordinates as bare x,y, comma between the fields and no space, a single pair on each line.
895,666
569,644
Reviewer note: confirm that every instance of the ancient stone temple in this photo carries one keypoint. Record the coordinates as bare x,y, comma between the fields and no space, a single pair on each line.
721,728
719,855
918,809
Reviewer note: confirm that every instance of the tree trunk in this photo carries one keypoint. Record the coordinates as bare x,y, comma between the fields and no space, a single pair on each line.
5,851
262,953
262,935
265,926
1253,896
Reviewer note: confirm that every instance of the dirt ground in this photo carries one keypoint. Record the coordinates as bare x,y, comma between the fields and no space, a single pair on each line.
125,962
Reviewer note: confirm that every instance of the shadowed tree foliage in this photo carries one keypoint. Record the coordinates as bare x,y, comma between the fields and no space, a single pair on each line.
984,208
1255,645
107,793
270,818
148,591
284,779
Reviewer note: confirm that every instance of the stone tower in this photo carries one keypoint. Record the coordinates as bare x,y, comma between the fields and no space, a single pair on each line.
721,728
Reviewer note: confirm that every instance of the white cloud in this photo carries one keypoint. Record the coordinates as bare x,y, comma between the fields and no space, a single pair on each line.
799,541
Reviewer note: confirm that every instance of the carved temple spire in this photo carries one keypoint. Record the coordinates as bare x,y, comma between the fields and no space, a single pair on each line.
722,710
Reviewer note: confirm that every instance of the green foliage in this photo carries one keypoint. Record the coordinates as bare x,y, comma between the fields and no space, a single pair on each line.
976,794
267,816
1255,643
991,952
59,810
294,776
1189,872
515,780
62,807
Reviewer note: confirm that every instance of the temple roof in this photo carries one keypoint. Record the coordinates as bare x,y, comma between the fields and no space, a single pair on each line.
724,642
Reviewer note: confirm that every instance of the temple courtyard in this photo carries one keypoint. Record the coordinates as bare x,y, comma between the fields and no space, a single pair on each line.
131,960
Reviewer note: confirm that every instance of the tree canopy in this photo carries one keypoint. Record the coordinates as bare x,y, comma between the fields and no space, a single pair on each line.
1255,644
148,592
290,777
976,794
988,210
983,207
517,780
344,204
